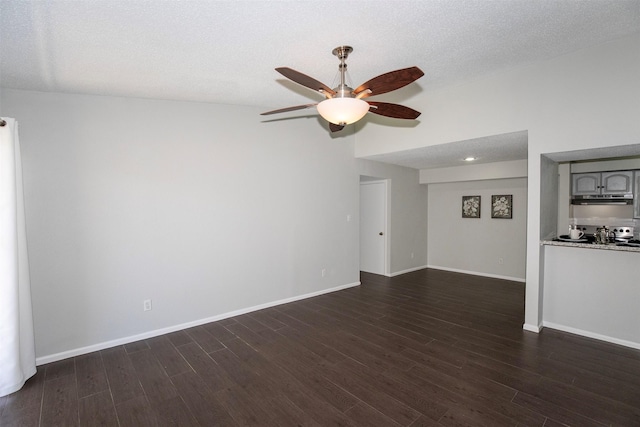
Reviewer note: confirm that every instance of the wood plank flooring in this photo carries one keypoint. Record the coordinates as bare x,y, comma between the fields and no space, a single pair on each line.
428,348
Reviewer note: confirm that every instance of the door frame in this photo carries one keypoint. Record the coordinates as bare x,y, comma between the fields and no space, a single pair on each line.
387,214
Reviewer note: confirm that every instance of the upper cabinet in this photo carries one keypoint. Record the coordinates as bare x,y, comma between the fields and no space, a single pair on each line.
586,184
620,182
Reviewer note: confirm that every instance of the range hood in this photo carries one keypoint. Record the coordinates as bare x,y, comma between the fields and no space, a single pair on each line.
603,199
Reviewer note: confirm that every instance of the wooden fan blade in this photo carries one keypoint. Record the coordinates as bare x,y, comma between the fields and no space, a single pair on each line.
284,110
393,110
305,80
334,127
389,81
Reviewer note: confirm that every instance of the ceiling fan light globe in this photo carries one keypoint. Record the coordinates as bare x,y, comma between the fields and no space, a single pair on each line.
343,111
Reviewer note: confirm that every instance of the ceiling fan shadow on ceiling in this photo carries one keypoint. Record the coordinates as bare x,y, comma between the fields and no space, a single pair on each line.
344,105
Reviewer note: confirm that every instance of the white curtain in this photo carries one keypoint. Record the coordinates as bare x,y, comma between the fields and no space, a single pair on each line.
17,350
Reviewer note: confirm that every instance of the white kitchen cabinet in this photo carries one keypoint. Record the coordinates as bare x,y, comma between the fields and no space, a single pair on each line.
587,184
620,182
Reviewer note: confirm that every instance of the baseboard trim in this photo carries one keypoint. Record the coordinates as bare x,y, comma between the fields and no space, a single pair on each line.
593,335
408,270
42,360
477,273
532,328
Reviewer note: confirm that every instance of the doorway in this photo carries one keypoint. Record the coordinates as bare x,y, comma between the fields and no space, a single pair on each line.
373,226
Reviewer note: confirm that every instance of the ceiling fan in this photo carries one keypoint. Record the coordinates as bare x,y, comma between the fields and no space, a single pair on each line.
345,105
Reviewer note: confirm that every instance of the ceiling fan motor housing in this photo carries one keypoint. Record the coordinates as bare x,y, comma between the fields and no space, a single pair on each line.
343,91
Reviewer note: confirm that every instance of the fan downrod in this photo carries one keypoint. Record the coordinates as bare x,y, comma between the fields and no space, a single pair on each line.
343,91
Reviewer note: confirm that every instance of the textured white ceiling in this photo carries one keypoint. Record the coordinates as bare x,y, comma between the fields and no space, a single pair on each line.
497,148
226,51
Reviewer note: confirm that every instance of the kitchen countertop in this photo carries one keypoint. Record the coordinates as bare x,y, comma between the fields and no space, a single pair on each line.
610,247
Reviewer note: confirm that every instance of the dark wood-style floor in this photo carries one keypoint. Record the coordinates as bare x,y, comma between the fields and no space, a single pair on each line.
429,348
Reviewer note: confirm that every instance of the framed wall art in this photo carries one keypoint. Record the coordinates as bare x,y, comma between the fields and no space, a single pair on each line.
470,206
502,206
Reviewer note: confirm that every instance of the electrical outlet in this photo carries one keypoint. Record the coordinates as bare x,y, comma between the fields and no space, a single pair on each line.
146,305
500,261
323,272
411,255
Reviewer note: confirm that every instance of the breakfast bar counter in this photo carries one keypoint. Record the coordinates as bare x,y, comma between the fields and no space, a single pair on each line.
592,293
609,247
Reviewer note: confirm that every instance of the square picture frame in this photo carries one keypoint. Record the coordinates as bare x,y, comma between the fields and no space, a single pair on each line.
502,206
471,206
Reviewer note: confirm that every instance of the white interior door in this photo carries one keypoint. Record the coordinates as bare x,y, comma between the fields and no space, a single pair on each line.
373,226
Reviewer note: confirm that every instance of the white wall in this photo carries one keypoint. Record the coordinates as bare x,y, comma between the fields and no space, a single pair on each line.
497,170
476,245
202,208
587,99
407,212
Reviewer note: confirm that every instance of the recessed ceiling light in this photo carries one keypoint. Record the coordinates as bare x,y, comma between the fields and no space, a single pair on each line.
469,159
